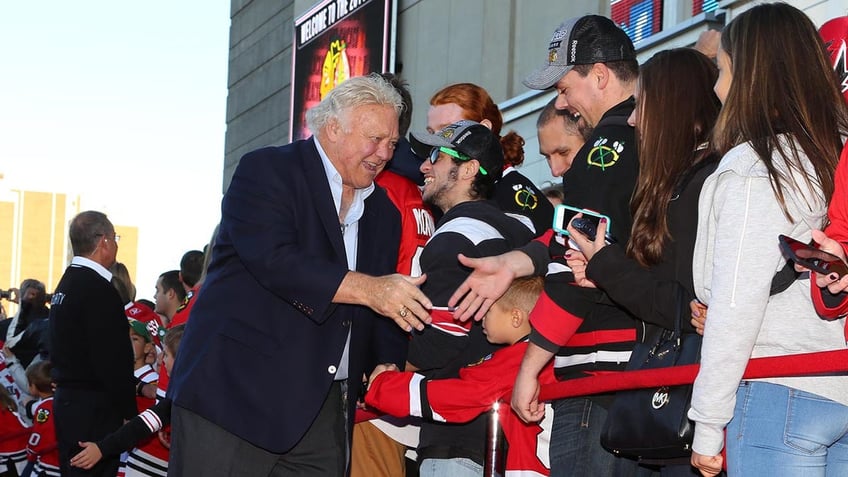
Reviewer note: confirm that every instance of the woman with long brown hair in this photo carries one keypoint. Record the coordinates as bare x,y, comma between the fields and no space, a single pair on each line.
674,116
780,131
514,193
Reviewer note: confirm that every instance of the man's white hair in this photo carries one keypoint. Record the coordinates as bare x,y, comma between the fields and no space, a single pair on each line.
356,91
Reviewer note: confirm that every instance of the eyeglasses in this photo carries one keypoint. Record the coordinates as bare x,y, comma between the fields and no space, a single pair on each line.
434,156
116,238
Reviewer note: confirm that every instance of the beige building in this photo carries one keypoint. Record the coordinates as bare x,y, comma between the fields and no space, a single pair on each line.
494,43
34,238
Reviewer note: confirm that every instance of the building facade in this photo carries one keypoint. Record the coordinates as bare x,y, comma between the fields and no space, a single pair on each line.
493,43
34,238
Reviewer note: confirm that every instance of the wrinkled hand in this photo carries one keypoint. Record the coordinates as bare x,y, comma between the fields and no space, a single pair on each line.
525,398
709,465
577,263
708,43
833,282
490,277
380,369
88,457
399,298
699,316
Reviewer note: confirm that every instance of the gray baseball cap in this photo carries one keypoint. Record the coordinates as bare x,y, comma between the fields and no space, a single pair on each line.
581,41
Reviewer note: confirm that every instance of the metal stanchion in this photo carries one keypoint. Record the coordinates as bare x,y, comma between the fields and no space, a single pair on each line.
494,464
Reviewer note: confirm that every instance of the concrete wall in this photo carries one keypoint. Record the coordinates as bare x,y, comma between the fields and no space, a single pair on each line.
259,78
493,43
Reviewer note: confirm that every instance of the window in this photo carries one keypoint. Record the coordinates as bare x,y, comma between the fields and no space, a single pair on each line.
638,18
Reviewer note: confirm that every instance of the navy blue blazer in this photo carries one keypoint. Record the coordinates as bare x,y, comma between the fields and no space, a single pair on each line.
261,348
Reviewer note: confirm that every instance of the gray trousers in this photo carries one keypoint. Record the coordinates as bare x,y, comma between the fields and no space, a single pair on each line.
200,448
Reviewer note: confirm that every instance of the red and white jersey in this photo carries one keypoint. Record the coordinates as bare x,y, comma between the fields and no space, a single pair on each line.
146,374
149,457
8,382
14,435
416,221
180,318
462,399
42,446
144,464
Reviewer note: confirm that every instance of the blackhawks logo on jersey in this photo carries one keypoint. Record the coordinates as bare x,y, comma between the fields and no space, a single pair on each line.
604,155
42,416
525,198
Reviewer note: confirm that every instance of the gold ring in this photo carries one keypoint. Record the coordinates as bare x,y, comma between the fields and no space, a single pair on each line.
403,312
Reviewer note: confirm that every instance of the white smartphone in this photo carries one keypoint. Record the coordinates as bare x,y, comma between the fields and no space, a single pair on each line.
564,213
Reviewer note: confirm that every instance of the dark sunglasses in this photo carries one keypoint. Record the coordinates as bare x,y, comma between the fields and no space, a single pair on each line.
434,156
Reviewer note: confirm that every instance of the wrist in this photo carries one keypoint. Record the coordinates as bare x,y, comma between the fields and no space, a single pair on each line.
139,388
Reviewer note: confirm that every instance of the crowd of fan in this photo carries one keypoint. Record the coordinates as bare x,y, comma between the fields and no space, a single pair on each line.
698,159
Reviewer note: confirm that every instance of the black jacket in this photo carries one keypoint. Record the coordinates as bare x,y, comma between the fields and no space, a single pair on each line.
650,293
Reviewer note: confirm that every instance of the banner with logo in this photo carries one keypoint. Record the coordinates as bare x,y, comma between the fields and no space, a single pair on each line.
336,40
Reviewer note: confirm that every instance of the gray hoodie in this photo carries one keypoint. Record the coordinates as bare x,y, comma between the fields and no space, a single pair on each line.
736,256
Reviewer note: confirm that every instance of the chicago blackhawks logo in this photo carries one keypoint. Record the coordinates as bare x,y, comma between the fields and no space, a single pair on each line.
603,155
42,416
525,198
336,68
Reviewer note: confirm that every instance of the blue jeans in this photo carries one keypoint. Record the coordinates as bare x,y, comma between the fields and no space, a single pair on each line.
453,467
576,442
777,430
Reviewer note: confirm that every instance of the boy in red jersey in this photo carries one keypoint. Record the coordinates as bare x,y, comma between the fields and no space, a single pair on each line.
479,385
42,447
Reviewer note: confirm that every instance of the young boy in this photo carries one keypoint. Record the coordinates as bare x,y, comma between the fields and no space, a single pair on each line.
142,345
42,446
479,385
148,453
140,427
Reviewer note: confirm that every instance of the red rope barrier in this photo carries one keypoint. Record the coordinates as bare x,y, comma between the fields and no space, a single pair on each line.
806,364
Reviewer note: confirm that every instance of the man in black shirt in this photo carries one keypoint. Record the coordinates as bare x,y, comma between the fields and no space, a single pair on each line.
90,346
465,161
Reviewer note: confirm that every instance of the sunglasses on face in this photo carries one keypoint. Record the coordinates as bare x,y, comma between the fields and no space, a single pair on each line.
434,156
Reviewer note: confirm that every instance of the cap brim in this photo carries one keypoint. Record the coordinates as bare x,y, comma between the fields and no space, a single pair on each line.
422,143
546,76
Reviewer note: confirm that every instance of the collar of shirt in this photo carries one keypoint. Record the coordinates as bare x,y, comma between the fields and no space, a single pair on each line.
335,180
87,263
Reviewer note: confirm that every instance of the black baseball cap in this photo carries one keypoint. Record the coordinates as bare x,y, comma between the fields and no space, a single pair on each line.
581,41
468,137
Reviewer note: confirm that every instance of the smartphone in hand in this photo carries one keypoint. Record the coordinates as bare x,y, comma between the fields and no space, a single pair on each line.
812,258
588,226
564,213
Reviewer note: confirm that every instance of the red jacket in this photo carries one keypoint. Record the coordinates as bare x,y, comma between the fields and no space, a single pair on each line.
416,221
462,399
14,435
837,212
42,447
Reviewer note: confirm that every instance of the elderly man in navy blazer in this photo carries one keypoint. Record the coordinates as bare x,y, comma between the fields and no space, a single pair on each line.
288,318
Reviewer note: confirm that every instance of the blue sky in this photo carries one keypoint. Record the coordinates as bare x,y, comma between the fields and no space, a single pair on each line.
123,103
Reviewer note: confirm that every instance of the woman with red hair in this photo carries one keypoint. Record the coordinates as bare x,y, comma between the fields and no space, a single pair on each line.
514,193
